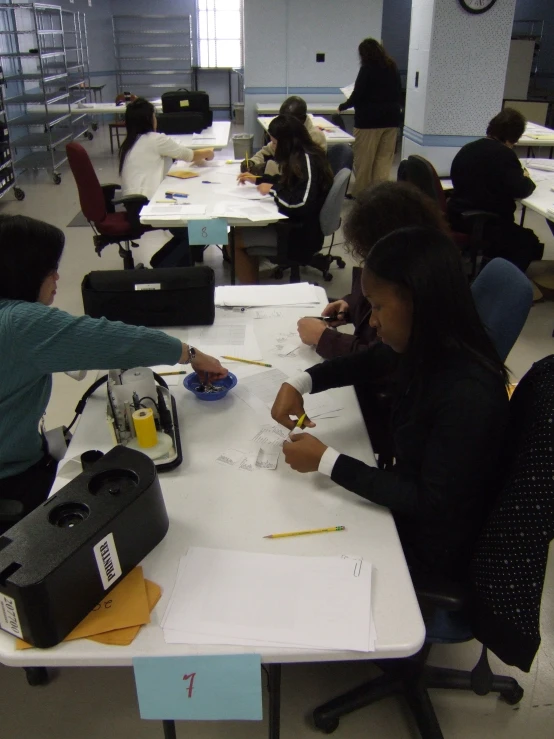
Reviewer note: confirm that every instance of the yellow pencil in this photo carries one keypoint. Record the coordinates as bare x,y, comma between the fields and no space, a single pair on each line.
246,361
300,421
178,372
301,533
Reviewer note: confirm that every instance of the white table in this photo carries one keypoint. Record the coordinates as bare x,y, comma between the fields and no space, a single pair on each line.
211,505
542,199
205,190
326,108
536,135
333,134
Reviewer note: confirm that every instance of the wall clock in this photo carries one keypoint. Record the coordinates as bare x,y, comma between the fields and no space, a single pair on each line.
477,6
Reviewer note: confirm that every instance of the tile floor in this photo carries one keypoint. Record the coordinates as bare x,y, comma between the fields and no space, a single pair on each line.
101,702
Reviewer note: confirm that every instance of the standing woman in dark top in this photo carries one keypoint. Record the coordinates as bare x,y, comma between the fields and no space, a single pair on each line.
376,103
450,405
487,175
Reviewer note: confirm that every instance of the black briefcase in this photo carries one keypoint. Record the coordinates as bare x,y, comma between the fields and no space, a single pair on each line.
152,297
192,101
182,122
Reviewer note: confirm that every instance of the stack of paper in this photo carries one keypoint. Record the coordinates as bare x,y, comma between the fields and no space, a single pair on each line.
235,339
172,210
256,296
270,600
260,453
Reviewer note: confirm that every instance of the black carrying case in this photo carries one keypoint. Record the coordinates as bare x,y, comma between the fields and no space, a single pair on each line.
182,122
152,297
191,101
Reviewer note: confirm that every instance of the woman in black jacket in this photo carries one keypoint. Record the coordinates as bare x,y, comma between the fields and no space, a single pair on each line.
376,102
299,191
450,403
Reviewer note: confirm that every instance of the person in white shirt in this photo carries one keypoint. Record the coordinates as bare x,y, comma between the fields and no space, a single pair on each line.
142,160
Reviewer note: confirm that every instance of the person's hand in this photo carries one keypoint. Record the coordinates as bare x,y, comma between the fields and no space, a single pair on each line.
288,403
245,177
337,308
303,452
310,330
201,155
204,365
264,188
526,172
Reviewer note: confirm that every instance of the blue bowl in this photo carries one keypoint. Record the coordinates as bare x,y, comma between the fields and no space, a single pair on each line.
194,382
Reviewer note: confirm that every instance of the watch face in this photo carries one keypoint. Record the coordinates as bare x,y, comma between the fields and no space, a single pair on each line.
477,6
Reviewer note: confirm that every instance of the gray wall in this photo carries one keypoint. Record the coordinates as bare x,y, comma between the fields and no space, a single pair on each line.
396,30
544,10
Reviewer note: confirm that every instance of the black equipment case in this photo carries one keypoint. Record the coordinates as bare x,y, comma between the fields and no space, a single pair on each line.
182,122
191,101
182,296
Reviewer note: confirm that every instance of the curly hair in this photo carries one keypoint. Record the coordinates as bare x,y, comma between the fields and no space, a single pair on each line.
507,126
385,208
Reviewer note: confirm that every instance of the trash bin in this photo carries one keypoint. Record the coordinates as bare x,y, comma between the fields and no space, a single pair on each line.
243,145
238,113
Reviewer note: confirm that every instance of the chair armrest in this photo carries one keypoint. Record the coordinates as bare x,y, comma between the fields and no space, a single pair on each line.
108,191
440,592
11,511
133,205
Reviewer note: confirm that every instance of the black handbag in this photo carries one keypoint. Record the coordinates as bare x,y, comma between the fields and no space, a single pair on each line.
188,101
151,297
185,122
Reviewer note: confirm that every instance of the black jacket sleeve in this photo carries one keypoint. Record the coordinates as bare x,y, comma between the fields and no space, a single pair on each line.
455,459
359,91
302,193
515,182
377,363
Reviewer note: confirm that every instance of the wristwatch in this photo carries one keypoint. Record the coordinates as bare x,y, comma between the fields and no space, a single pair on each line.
192,355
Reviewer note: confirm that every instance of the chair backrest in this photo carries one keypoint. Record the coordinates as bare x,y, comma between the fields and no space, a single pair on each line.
503,296
421,173
91,196
340,156
509,561
329,216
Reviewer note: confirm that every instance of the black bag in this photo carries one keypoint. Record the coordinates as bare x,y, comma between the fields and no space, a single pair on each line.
192,101
151,297
184,122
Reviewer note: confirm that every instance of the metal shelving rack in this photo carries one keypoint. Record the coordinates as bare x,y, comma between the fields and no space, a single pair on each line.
35,66
78,71
7,174
153,53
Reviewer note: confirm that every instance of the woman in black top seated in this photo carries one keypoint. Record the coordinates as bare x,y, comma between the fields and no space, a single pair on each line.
487,175
450,403
299,191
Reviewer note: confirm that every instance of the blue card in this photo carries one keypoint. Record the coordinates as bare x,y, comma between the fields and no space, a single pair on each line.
210,688
208,231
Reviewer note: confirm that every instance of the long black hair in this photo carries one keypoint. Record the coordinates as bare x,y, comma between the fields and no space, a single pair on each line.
426,264
139,119
30,250
372,51
293,142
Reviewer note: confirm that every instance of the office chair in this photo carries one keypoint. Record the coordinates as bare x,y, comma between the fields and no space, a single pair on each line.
98,206
471,241
329,220
460,612
503,296
340,156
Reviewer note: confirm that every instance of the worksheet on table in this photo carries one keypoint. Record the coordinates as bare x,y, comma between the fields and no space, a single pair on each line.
236,339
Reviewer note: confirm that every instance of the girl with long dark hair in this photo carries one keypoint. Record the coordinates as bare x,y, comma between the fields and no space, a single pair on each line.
299,191
144,153
450,403
376,102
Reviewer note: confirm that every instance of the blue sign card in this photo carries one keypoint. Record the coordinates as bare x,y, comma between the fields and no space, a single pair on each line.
208,231
207,688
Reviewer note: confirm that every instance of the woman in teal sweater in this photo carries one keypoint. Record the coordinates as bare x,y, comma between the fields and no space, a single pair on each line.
36,340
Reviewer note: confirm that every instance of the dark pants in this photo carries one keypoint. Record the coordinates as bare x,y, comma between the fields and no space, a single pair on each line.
31,487
176,252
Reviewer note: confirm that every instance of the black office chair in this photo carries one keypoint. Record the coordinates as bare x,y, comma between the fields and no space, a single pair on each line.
340,156
460,613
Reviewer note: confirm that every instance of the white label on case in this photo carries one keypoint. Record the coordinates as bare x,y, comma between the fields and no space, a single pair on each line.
9,618
149,286
107,561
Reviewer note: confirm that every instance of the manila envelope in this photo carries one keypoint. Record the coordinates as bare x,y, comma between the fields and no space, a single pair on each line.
126,605
124,637
182,174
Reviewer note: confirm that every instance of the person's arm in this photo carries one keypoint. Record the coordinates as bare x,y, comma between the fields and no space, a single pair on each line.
294,197
513,178
358,93
455,459
378,362
168,147
261,156
318,137
333,344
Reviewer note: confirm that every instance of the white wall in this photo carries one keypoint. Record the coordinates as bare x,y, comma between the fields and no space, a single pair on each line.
282,38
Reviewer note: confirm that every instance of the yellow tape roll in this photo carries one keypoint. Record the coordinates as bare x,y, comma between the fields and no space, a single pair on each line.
145,428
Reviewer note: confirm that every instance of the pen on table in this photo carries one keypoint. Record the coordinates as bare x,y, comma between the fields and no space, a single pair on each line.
209,182
308,531
334,317
246,361
176,195
177,372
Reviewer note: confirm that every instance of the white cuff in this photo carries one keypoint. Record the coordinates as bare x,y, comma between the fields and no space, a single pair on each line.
327,461
301,382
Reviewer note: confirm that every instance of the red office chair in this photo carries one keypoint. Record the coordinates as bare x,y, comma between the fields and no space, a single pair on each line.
98,206
471,240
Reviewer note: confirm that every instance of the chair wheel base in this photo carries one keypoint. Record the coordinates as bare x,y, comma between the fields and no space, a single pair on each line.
341,263
278,273
513,696
327,277
326,725
36,676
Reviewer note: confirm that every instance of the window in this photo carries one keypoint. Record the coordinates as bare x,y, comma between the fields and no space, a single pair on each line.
220,33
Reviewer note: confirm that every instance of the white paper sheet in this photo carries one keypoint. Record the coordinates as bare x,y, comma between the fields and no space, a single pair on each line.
255,296
269,598
234,339
347,91
172,209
